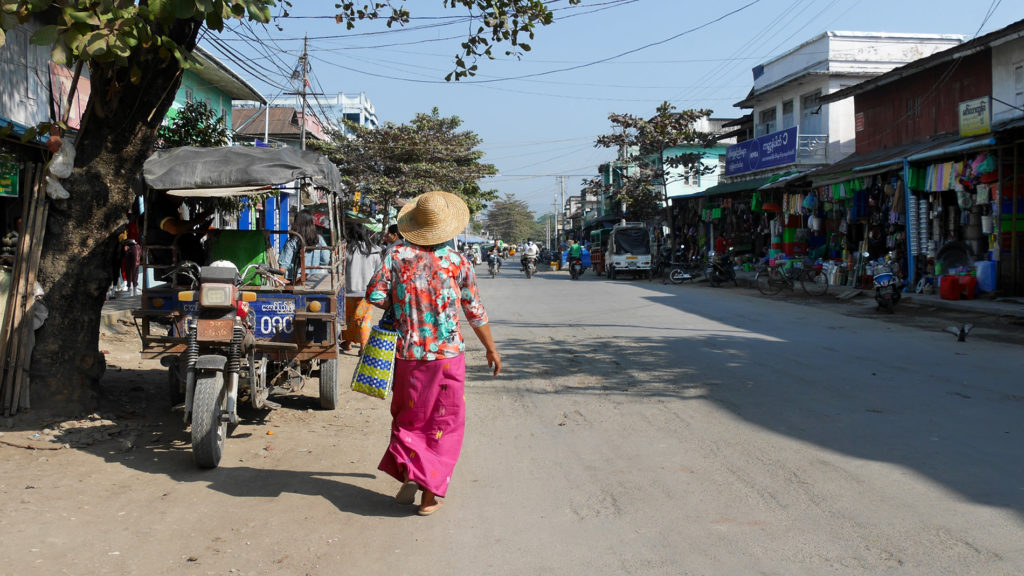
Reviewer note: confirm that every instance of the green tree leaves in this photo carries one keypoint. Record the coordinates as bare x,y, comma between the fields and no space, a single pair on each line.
511,220
195,124
401,161
644,160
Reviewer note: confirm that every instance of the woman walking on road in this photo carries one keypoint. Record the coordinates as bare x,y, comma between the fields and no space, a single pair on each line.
422,282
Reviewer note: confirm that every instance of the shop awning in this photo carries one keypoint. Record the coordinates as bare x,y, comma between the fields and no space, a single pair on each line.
863,165
743,185
786,180
889,159
957,146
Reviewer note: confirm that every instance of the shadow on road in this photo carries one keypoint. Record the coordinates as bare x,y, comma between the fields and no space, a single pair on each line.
849,385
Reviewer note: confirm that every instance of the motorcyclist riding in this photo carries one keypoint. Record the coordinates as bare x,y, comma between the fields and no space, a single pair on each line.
575,252
495,255
530,250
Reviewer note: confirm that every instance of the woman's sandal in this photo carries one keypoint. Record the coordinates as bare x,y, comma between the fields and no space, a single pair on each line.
407,493
428,510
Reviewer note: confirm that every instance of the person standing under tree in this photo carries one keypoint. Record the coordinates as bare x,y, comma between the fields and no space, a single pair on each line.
422,281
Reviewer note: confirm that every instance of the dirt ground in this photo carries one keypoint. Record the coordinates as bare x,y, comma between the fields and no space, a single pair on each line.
136,503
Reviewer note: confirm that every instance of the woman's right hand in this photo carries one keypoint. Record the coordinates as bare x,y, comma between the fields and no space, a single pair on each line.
494,361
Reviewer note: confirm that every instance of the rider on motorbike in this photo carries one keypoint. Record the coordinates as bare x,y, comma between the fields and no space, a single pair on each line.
575,252
494,256
530,250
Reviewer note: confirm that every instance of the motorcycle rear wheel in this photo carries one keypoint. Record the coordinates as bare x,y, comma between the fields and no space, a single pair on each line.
677,276
209,429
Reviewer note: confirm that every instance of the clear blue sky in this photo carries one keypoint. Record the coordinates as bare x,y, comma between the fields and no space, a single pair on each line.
539,115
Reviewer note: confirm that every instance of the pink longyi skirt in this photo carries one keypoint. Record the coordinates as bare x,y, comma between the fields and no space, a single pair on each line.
428,411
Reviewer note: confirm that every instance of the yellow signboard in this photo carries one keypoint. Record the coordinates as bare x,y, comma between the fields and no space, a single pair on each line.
975,116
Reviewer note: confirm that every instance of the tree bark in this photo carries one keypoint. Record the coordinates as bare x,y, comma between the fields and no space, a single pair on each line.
118,132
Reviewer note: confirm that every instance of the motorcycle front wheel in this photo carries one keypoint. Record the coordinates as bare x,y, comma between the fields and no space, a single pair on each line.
209,429
888,303
712,276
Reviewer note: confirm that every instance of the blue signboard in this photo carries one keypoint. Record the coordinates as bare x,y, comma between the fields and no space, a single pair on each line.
769,151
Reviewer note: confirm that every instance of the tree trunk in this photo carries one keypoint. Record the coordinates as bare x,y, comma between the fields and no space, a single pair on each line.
118,132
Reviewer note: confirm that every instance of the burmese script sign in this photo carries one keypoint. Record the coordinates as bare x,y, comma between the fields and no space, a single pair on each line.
768,151
975,116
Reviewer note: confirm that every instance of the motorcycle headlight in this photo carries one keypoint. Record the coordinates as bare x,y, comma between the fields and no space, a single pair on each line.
217,295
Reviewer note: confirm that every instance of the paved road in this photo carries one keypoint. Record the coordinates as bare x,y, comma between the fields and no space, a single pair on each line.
638,428
651,429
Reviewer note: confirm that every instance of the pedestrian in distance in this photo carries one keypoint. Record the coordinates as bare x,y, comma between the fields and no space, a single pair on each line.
391,236
422,282
362,258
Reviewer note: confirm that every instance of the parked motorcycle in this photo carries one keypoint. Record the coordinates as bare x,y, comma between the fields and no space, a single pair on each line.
220,356
887,283
575,268
683,268
721,268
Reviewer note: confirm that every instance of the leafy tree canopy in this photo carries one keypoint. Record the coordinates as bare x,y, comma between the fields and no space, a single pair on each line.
400,161
196,124
645,161
511,220
108,31
135,52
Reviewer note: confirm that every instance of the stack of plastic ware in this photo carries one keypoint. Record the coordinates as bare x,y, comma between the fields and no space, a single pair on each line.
924,226
912,228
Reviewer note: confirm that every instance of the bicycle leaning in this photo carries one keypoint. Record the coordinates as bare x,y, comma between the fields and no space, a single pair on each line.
772,278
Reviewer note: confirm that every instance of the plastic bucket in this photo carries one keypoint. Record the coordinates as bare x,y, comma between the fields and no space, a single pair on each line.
986,224
949,287
986,275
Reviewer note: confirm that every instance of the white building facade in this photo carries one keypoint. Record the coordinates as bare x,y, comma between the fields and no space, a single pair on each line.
1007,80
791,127
333,109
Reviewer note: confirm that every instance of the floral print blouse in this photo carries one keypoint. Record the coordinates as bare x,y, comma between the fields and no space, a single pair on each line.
425,288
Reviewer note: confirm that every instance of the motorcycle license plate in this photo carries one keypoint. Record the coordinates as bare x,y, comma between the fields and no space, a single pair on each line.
215,330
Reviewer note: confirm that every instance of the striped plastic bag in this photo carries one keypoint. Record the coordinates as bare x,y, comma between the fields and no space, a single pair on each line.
376,369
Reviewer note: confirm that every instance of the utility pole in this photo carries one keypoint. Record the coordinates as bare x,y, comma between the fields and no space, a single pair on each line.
554,223
304,61
301,72
561,180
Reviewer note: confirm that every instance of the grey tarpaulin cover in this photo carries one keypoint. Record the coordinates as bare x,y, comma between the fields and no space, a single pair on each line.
194,167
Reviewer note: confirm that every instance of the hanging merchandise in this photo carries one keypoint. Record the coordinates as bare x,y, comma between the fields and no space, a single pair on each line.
810,202
913,226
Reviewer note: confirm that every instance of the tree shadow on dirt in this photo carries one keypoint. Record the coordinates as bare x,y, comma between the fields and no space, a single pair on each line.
135,428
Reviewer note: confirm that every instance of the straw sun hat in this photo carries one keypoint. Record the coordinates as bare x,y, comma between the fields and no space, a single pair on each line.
433,218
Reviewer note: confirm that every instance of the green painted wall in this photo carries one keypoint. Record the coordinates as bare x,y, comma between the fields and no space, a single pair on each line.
201,90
